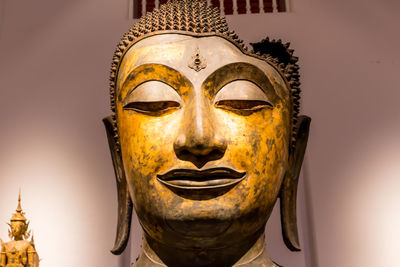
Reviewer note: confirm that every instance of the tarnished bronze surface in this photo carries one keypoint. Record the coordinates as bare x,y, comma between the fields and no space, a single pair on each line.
205,137
19,252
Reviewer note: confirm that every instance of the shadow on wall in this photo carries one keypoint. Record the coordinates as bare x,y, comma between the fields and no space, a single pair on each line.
46,14
2,14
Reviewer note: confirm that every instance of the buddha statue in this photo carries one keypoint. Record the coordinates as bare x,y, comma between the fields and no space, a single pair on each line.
19,252
205,136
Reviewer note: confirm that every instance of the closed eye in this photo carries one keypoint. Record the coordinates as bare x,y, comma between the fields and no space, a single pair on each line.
152,107
242,97
243,106
153,98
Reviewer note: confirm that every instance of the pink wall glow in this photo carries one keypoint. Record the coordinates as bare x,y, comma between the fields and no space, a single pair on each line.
55,58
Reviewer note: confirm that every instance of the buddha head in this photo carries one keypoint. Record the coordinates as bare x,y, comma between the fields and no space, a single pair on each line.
18,224
205,135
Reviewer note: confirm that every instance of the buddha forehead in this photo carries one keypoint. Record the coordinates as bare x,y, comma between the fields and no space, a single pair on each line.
177,50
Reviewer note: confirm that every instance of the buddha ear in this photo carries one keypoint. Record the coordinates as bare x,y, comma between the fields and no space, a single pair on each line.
125,205
288,193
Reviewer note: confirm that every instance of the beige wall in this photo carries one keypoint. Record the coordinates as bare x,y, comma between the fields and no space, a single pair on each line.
54,63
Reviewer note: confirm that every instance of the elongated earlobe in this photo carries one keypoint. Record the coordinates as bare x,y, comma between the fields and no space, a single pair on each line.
288,193
125,205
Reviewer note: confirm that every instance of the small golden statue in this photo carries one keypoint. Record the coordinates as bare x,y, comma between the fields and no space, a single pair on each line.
19,252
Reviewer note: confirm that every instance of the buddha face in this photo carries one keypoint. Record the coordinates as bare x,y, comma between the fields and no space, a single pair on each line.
18,229
204,132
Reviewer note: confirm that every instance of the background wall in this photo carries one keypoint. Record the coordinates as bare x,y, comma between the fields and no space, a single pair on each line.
54,63
55,57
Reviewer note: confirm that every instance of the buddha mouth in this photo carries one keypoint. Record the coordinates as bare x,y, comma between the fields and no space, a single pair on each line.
213,178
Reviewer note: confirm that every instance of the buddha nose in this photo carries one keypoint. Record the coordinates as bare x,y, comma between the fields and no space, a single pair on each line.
198,141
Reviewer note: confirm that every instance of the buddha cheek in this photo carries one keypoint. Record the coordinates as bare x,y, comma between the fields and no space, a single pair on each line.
258,151
149,151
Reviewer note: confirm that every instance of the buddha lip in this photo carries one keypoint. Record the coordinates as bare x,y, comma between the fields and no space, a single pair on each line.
201,179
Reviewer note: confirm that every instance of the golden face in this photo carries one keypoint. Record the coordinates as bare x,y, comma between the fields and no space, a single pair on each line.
204,149
18,228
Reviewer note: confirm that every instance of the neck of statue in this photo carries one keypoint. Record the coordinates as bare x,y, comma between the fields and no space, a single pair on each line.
156,254
18,238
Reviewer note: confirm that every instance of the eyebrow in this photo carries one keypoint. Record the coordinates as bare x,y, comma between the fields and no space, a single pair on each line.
239,71
154,72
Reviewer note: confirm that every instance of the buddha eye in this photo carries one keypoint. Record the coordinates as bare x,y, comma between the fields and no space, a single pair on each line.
242,97
249,105
152,98
155,106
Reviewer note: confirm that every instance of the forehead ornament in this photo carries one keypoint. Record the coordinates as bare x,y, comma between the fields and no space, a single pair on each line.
197,62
